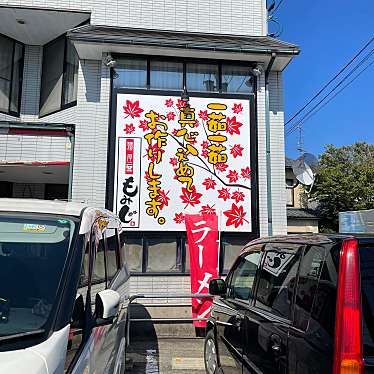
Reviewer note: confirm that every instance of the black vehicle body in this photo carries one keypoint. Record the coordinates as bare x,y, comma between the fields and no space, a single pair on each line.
276,311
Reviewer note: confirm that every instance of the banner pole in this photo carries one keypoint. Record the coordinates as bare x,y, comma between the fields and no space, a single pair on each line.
219,239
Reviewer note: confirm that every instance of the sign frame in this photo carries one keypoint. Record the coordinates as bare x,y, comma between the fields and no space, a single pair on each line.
112,145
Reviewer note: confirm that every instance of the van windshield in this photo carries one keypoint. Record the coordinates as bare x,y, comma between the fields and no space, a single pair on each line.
33,252
367,285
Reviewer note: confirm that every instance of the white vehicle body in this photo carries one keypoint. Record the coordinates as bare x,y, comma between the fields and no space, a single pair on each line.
74,319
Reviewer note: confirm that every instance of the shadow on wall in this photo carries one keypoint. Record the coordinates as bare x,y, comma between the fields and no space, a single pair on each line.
143,350
92,74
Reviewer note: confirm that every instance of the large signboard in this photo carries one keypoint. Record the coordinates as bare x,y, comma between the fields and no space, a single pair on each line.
175,158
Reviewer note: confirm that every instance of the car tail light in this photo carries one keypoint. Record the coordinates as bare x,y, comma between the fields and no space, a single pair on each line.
348,340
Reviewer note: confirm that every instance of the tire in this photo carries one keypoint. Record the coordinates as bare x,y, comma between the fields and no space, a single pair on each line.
210,354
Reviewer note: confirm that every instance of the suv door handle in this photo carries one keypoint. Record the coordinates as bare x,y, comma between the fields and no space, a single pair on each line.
275,342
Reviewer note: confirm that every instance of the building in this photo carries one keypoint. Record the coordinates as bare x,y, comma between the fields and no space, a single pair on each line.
81,85
301,217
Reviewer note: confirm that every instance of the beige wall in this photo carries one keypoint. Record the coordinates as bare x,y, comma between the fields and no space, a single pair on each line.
302,226
300,197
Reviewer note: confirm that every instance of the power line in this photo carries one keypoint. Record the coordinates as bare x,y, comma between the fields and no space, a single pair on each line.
332,97
279,4
330,81
363,60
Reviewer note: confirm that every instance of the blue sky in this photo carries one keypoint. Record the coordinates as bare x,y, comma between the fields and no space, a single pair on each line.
329,33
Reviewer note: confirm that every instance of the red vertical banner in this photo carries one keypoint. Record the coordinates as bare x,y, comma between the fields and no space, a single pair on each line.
202,237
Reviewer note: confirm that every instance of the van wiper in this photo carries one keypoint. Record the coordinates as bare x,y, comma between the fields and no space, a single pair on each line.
21,335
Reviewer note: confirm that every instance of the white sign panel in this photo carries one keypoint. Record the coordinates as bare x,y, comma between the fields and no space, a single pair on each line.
182,158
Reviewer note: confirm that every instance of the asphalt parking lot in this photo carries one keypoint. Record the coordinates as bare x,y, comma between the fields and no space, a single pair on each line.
166,356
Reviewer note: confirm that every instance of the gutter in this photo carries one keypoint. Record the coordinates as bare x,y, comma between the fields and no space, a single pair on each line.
268,148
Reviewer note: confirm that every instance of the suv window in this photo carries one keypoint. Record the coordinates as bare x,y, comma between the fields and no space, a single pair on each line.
112,253
309,274
366,253
277,277
243,276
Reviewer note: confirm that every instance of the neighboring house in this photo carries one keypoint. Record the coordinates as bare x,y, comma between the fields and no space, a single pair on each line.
79,81
301,218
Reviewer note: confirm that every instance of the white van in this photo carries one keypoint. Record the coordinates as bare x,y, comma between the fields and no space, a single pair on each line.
63,289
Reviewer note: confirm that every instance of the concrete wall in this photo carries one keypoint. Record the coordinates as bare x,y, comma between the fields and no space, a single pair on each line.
34,148
247,17
302,226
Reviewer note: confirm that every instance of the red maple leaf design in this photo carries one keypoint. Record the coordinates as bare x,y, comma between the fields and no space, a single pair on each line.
129,129
132,109
179,218
204,153
152,152
163,198
224,193
174,132
209,183
207,209
181,104
235,216
246,173
233,125
143,125
173,161
203,114
237,196
237,108
190,198
170,116
237,150
196,124
146,176
205,144
233,176
169,103
220,167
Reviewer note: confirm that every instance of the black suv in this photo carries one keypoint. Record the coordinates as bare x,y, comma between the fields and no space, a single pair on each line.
300,304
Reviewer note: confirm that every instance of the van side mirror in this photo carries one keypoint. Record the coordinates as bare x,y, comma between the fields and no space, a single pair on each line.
217,287
106,307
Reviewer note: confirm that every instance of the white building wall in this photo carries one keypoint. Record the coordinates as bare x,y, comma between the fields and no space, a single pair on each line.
278,177
91,136
246,17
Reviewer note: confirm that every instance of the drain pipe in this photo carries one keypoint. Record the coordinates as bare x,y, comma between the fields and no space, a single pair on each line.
268,150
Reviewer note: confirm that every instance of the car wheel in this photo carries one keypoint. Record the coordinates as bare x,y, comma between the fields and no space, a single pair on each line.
210,354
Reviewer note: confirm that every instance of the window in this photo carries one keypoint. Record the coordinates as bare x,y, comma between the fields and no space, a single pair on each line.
290,192
77,323
236,79
59,76
163,255
242,278
309,274
111,253
11,67
149,252
202,77
232,248
132,252
166,75
277,279
98,272
131,73
159,73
